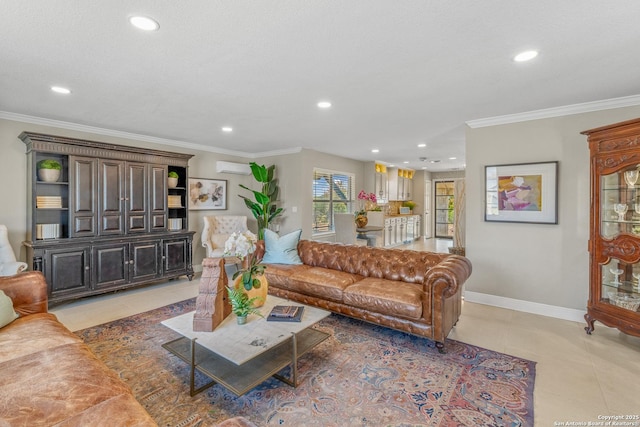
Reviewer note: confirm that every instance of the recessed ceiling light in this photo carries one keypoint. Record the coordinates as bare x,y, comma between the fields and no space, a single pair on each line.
405,162
422,145
227,129
324,104
434,161
424,167
525,56
452,158
59,89
375,150
392,166
144,23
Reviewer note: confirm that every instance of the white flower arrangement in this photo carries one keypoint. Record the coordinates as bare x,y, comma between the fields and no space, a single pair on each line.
240,244
243,245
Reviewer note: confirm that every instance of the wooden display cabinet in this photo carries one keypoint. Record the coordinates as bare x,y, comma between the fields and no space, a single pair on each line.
110,221
614,242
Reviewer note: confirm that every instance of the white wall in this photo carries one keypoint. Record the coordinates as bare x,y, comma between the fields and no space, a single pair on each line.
540,264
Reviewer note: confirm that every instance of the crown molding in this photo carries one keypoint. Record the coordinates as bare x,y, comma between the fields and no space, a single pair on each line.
138,137
587,107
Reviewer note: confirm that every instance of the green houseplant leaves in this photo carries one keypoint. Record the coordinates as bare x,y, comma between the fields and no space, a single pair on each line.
263,206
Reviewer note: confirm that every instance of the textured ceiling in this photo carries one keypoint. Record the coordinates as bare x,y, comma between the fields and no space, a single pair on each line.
397,72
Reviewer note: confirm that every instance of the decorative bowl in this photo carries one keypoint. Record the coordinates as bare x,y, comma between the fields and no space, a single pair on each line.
624,300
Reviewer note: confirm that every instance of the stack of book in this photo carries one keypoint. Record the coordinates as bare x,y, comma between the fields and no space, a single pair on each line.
47,231
174,201
48,202
286,313
175,224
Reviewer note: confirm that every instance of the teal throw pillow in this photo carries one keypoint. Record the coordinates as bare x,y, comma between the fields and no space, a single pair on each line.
281,249
7,313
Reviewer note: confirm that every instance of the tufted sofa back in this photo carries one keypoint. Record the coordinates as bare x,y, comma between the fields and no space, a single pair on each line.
391,264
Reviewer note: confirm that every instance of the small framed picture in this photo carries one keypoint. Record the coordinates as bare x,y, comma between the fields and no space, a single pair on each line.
207,194
526,192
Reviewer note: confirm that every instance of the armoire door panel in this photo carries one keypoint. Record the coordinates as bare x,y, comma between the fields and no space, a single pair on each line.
137,223
145,260
158,221
111,189
111,265
84,187
158,197
136,197
84,225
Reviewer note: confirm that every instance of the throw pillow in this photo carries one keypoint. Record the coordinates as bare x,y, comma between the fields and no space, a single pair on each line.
281,249
7,313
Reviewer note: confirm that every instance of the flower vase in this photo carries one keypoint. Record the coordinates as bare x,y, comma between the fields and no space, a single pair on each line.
361,221
254,292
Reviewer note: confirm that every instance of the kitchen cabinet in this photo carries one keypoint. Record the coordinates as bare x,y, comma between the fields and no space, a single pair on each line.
381,184
400,184
107,222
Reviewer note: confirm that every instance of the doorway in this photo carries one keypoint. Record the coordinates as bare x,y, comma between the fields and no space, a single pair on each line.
428,206
444,212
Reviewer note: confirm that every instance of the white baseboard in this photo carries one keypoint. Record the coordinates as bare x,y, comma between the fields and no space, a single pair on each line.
197,268
526,306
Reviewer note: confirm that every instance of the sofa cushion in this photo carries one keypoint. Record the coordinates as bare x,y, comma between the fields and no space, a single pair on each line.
7,313
278,274
387,297
33,333
321,282
50,386
281,249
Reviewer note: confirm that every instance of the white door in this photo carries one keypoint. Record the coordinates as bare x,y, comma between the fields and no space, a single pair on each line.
427,209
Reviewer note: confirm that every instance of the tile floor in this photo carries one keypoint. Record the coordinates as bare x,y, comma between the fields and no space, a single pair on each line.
579,377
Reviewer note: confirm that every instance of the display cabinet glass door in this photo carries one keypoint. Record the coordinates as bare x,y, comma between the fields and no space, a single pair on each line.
619,228
445,203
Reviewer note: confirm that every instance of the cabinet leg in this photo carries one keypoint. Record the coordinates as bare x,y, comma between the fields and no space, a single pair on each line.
190,277
590,323
440,347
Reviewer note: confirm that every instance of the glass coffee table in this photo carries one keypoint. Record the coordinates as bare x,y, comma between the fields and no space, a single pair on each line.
239,357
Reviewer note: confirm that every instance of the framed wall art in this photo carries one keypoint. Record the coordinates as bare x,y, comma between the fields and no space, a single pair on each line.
207,194
526,192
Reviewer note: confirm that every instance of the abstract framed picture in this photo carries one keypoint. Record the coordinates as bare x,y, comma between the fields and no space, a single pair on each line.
207,194
525,192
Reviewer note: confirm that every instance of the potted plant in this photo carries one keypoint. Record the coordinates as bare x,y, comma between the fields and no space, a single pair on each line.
172,179
409,204
263,208
250,277
367,203
49,170
242,305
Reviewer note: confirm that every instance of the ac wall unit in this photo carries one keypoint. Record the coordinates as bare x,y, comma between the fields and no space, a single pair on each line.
230,167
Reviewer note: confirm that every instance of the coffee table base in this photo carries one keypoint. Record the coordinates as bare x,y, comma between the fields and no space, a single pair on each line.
239,379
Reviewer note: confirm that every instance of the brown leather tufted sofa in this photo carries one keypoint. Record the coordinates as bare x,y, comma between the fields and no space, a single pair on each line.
415,292
48,376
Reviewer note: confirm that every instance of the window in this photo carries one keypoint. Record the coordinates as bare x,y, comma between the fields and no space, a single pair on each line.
332,192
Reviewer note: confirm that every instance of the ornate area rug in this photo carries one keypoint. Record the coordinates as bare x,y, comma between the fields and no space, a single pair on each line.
363,375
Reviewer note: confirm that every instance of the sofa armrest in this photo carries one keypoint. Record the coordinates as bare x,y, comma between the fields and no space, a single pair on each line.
448,276
28,291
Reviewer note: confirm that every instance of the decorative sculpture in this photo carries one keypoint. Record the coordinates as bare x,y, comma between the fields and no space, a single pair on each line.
212,304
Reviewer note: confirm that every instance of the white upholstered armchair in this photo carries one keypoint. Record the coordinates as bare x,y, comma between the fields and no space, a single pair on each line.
217,229
8,264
